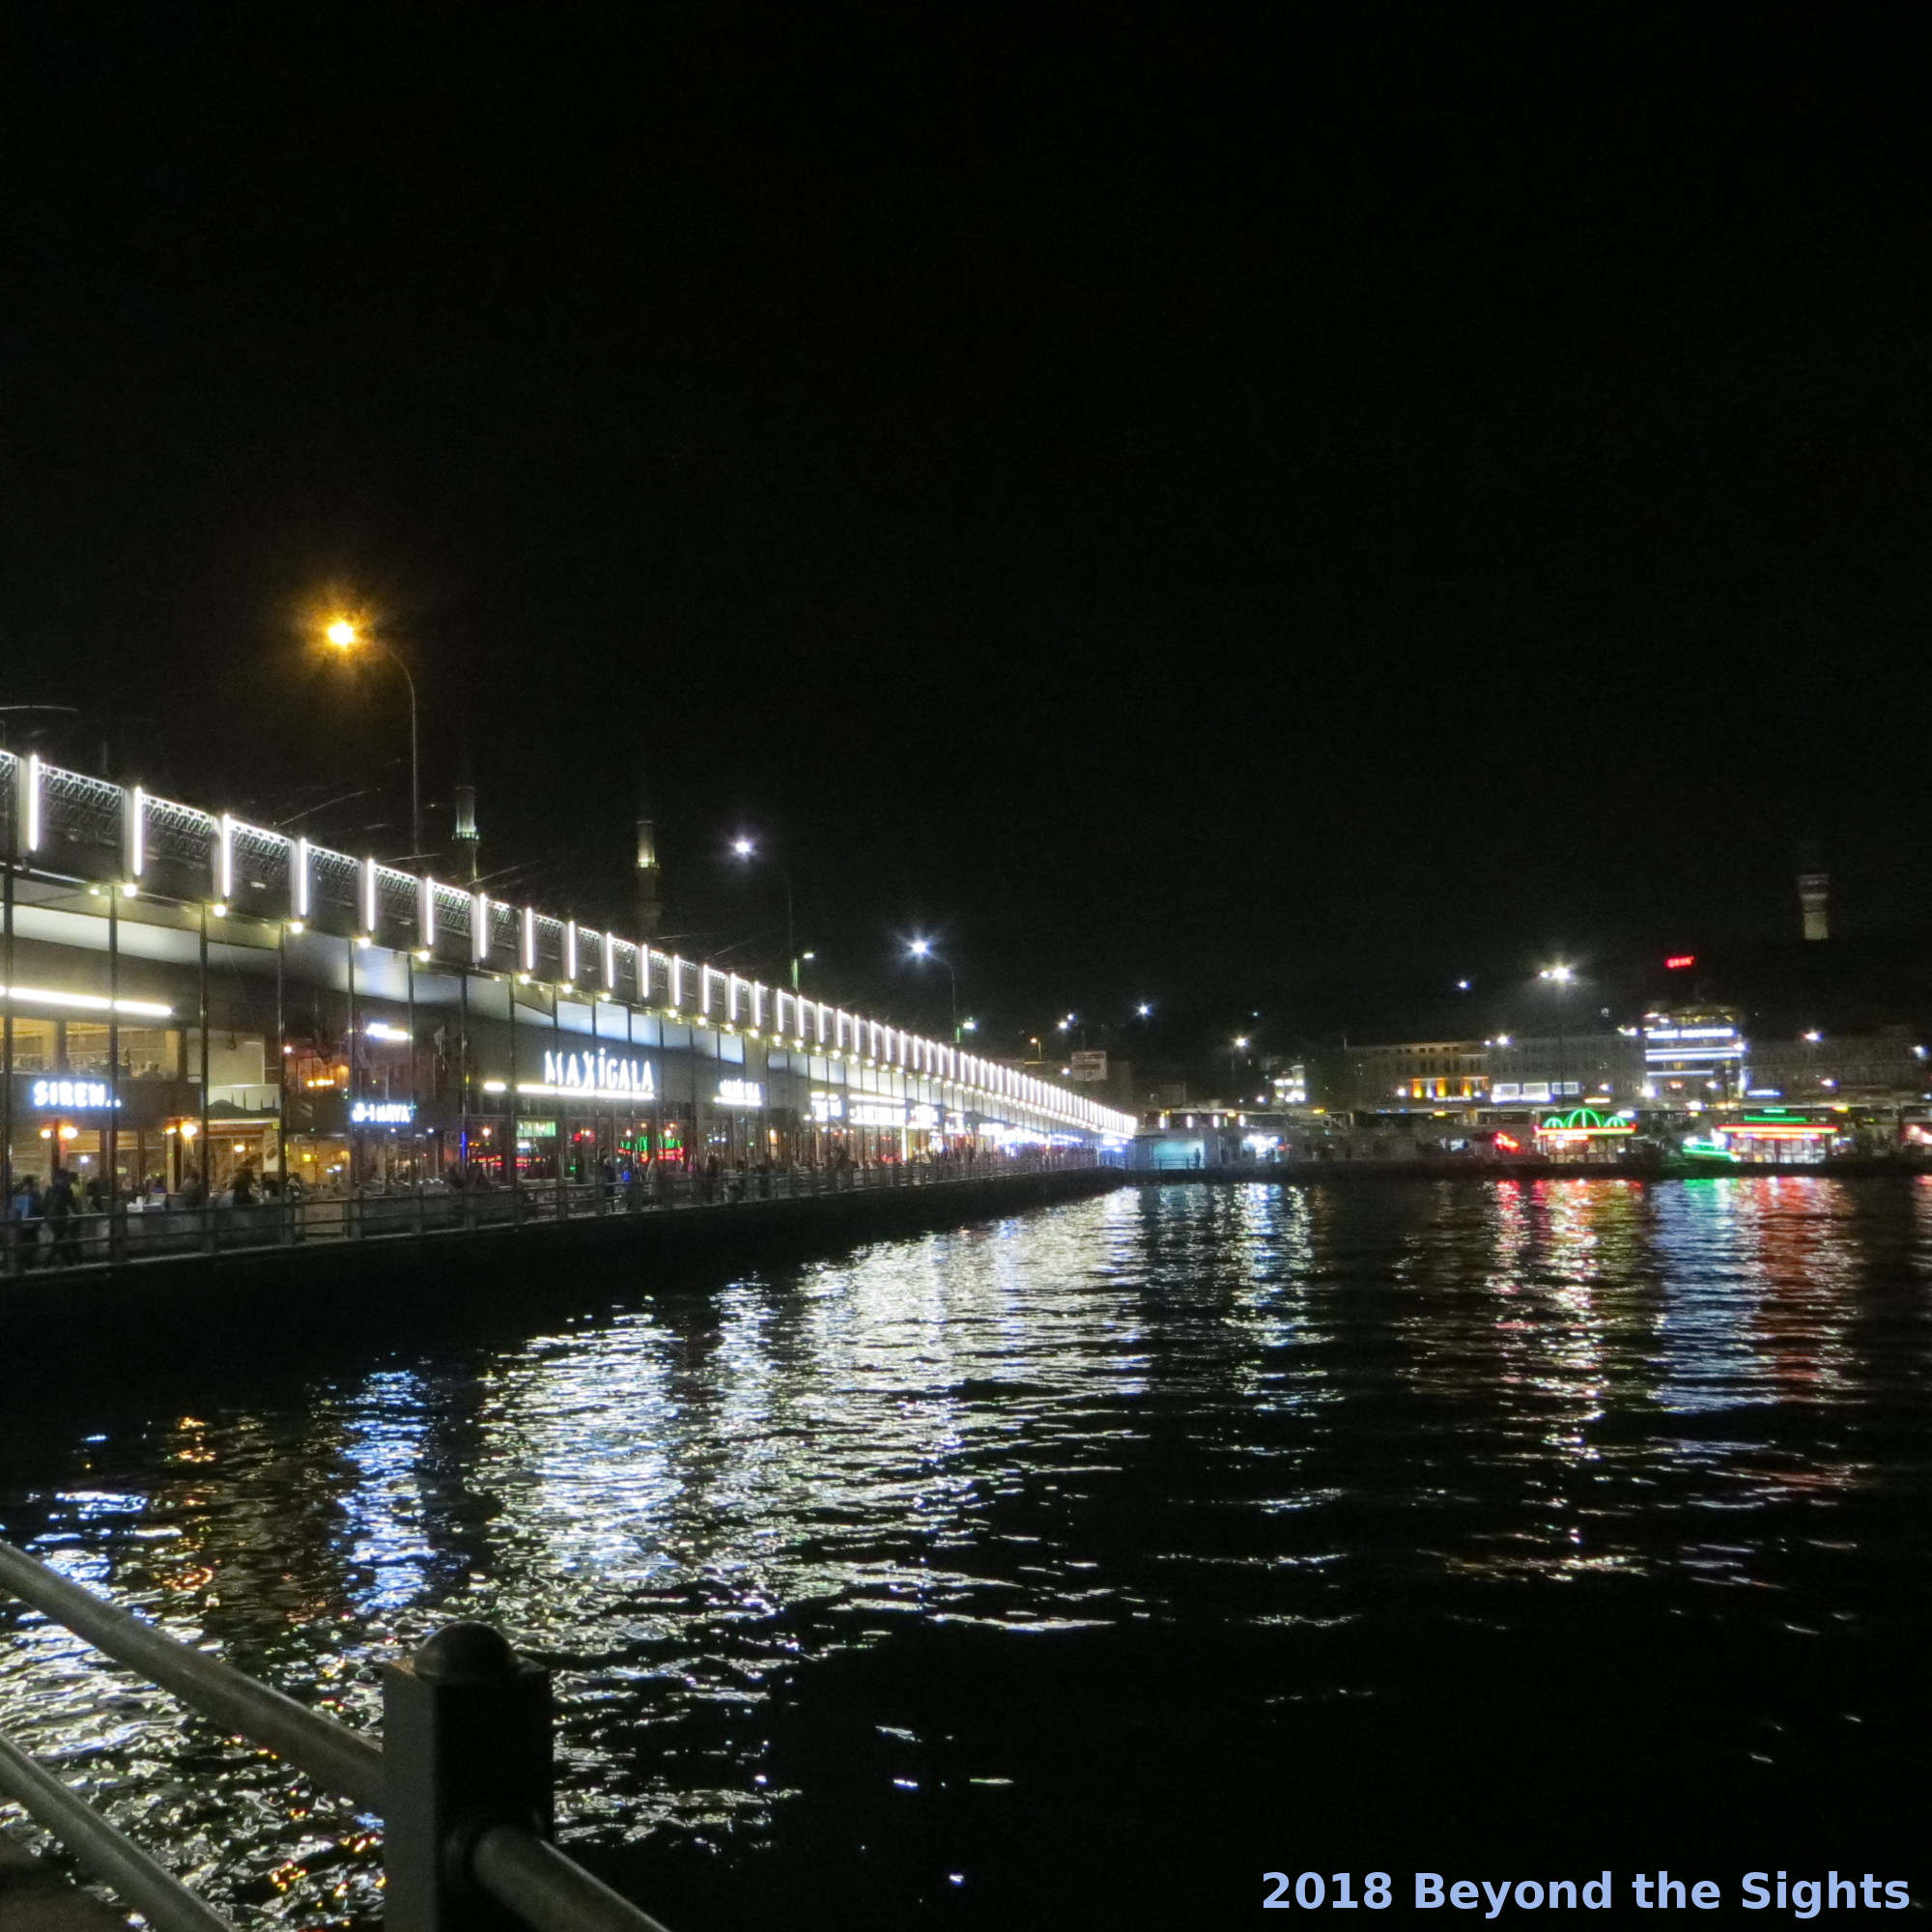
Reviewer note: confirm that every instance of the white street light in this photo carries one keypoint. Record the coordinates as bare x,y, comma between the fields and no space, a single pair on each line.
746,848
921,948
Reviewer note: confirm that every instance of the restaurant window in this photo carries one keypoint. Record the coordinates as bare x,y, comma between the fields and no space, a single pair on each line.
33,1046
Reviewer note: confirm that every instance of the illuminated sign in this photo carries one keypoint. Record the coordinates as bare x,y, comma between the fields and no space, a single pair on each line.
381,1112
600,1073
740,1093
1677,961
73,1094
590,1076
1700,1149
536,1130
828,1107
876,1114
1583,1123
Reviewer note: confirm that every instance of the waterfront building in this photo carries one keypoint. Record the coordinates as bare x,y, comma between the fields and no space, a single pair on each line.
1534,1071
1408,1076
1694,1056
186,995
1885,1068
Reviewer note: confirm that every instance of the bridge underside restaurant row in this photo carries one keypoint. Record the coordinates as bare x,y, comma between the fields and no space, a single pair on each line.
347,1025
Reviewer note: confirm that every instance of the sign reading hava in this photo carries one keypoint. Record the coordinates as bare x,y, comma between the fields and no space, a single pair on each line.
604,1075
381,1112
76,1093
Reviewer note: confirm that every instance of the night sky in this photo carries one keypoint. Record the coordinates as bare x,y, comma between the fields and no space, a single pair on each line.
1240,514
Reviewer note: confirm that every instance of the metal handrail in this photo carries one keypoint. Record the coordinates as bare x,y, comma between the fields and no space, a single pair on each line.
448,1833
117,1862
548,1889
122,1239
330,1754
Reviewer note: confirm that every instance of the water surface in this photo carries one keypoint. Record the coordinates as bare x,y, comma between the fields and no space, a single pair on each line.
1075,1567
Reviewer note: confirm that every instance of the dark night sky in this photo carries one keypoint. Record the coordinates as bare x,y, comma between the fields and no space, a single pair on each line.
1230,514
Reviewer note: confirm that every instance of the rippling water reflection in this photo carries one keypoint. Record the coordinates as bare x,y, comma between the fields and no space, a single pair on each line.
1016,1568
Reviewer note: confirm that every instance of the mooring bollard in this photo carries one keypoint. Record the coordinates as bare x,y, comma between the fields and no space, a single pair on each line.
465,1745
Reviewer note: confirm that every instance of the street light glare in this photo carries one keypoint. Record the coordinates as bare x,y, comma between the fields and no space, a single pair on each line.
920,947
342,634
743,848
1144,1009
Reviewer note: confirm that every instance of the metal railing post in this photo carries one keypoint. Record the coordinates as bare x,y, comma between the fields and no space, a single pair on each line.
466,1747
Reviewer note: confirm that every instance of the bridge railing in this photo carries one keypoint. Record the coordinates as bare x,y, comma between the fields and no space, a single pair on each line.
461,1778
132,1232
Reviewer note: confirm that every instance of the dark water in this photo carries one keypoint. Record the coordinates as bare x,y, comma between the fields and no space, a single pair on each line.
1078,1568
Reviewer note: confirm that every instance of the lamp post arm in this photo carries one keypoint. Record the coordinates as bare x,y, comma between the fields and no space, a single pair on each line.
415,762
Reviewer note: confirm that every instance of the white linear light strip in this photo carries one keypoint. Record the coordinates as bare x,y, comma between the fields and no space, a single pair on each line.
137,808
479,928
426,910
32,814
85,1003
1037,1093
529,939
570,952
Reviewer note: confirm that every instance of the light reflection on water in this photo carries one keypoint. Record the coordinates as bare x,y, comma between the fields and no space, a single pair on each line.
1272,1422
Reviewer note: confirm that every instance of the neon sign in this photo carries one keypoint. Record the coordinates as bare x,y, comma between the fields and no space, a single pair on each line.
381,1112
1677,961
78,1095
740,1093
597,1076
1582,1124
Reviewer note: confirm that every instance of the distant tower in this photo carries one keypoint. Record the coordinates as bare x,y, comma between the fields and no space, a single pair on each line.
469,842
1814,892
650,907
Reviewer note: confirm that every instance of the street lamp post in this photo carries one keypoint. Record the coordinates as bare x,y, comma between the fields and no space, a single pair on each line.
346,636
748,849
1561,978
1237,1045
921,948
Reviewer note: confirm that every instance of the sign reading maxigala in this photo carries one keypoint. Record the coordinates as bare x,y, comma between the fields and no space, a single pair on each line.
599,1076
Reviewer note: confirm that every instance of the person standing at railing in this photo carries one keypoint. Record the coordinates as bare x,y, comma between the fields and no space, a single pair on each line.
61,1211
23,1214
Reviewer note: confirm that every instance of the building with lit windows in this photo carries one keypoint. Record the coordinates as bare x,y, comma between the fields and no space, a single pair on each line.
1885,1068
185,995
1694,1056
1536,1070
1418,1076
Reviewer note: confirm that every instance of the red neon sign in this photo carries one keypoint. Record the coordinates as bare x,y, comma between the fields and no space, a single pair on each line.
1678,960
